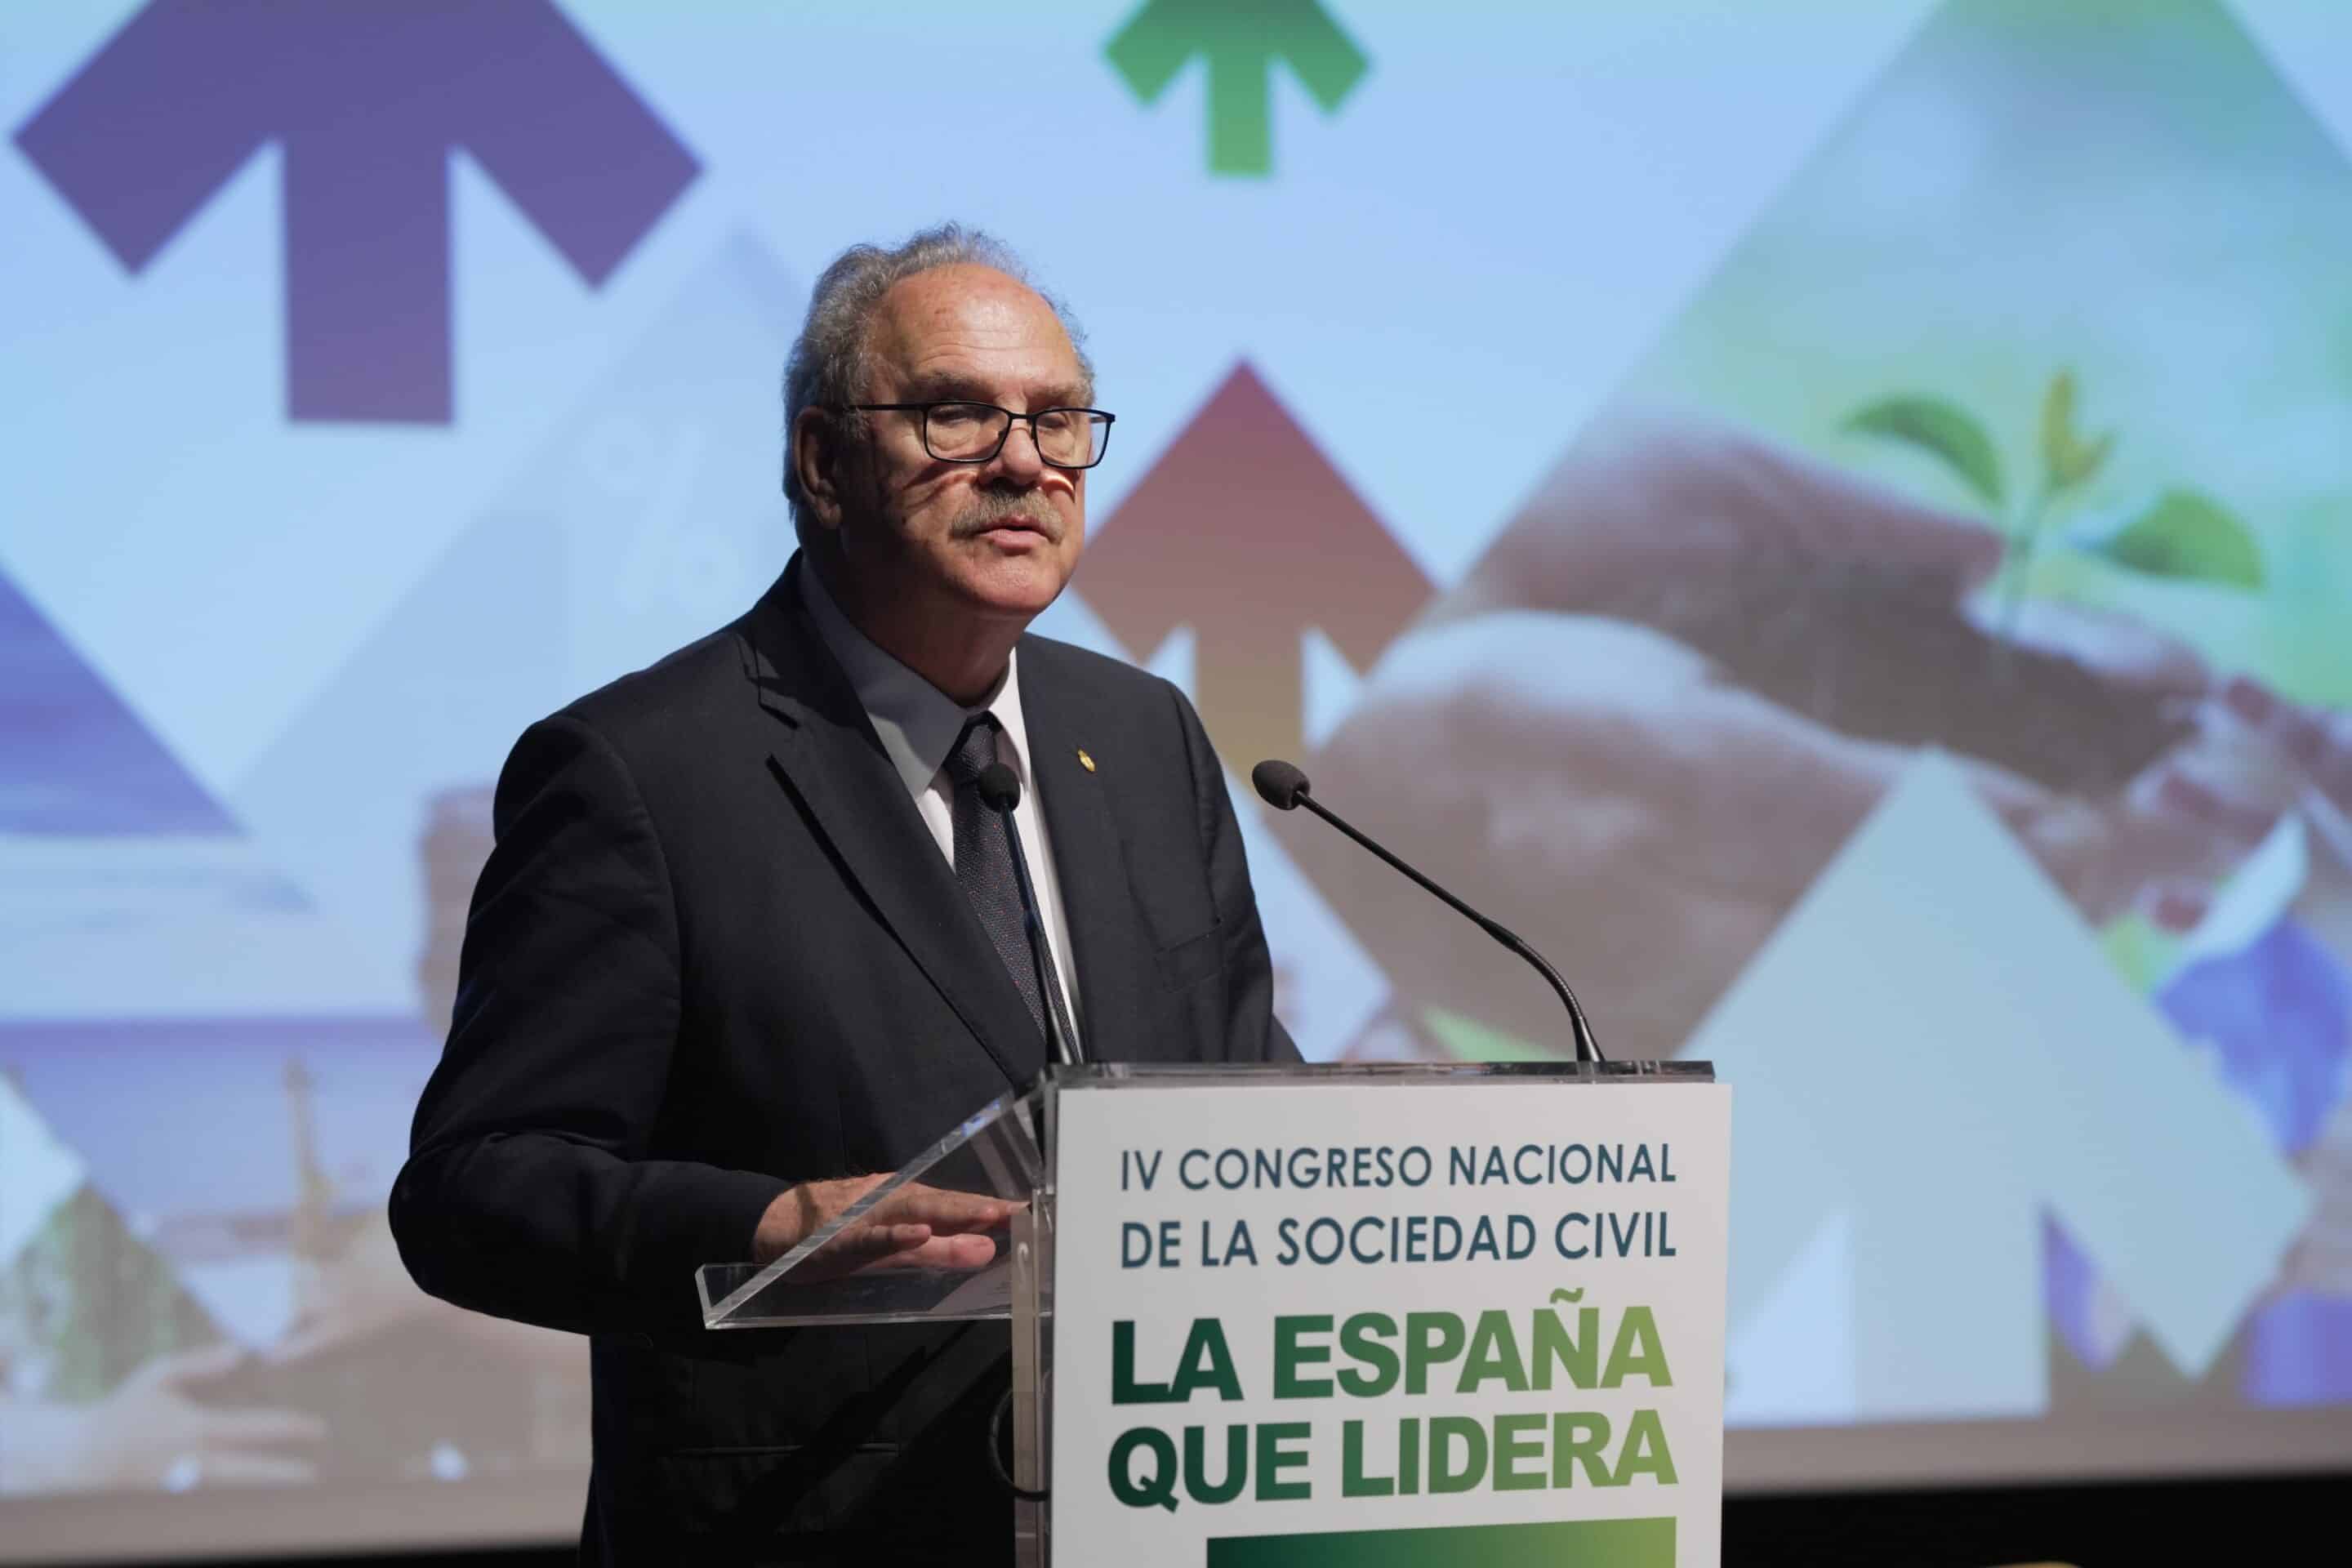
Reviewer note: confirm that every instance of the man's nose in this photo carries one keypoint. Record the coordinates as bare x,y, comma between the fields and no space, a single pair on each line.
1019,458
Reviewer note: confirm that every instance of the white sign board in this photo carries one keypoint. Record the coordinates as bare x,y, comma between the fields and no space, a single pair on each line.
1476,1324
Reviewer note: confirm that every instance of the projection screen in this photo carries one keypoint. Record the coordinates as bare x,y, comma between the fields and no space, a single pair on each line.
1834,520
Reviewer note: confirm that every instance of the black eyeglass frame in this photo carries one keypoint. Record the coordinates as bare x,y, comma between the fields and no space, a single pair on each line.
923,427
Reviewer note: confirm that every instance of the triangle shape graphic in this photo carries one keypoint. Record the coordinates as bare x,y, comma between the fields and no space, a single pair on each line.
78,762
1933,1032
650,517
126,888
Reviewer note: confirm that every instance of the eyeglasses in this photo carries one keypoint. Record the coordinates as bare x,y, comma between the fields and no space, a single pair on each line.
976,432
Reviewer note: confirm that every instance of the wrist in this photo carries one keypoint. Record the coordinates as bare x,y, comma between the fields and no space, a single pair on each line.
783,1224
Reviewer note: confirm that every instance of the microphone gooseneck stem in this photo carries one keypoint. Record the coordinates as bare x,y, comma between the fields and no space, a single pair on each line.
1588,1049
1065,1048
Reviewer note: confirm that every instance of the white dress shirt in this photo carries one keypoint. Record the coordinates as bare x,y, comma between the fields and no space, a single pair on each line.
918,725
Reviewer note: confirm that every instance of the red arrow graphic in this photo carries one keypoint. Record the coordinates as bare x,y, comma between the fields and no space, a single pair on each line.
1243,531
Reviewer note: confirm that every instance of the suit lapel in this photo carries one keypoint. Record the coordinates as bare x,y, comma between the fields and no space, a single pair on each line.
826,755
1114,962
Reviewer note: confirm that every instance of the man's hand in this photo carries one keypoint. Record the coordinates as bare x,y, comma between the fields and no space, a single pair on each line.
915,1228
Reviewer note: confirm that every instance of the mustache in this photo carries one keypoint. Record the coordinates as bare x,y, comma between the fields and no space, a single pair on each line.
990,508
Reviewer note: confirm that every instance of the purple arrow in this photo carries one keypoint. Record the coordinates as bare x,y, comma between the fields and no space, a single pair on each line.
369,99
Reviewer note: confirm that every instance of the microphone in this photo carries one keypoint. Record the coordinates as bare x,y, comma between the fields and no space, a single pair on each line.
1000,791
1282,786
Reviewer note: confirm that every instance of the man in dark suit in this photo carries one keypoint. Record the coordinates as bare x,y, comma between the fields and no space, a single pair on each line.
748,937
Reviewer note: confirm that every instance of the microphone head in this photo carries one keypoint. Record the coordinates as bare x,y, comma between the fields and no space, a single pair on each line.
1279,784
1000,788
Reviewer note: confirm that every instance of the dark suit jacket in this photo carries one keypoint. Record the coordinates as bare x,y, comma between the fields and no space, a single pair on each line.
716,952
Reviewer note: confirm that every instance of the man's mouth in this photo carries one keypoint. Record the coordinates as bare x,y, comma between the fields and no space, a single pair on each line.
1017,523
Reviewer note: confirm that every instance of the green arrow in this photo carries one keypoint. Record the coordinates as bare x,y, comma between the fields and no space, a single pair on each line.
1240,40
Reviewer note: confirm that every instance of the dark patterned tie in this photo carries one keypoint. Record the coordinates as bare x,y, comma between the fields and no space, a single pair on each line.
983,865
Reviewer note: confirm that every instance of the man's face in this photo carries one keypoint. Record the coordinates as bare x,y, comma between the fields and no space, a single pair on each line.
999,538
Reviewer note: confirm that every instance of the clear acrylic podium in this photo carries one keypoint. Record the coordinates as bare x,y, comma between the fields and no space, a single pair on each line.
1006,1150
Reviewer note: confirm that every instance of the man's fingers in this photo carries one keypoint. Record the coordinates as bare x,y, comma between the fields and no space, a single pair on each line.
868,1248
861,1241
960,1254
906,1218
944,1210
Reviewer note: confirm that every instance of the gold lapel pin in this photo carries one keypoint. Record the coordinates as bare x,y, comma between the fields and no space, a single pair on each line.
1085,760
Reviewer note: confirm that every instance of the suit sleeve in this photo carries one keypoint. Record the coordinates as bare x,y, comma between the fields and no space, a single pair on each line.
1253,1034
527,1192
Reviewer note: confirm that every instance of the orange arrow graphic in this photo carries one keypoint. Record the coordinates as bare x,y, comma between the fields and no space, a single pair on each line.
1243,531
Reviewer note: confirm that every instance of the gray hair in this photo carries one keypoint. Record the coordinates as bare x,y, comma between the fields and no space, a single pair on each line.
828,362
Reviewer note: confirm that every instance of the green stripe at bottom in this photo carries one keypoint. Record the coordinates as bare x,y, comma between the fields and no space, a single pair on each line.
1587,1543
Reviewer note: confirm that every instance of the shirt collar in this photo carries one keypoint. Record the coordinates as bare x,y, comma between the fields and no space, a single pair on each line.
915,720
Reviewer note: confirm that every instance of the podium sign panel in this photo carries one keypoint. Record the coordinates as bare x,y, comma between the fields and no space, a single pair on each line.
1468,1320
1385,1315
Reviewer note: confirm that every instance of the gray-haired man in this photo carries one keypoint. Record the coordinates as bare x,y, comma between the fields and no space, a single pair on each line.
743,940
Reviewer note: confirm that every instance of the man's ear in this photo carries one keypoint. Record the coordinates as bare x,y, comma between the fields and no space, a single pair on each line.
821,452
